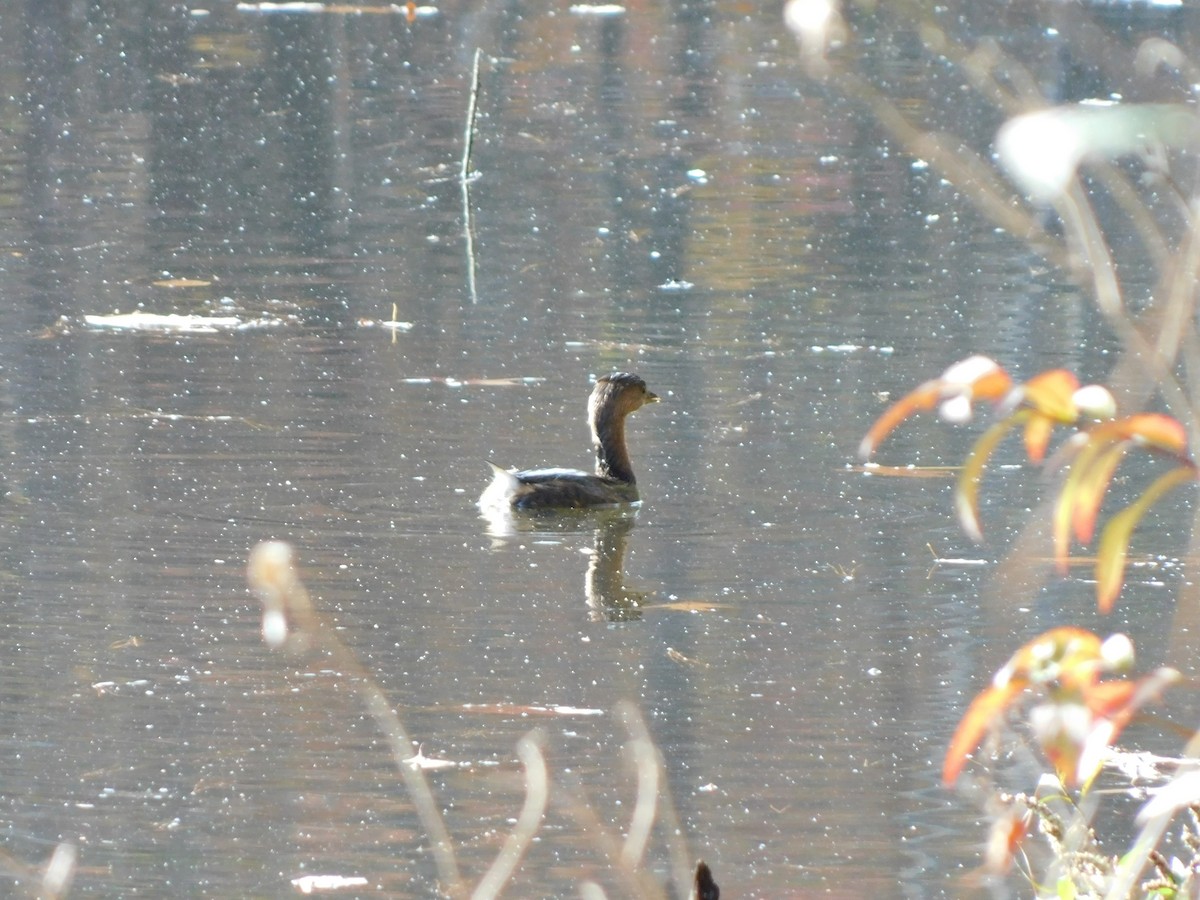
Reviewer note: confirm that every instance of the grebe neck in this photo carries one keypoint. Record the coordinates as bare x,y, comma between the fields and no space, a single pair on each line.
612,456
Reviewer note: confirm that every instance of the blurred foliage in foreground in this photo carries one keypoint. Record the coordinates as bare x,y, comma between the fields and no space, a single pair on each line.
1053,171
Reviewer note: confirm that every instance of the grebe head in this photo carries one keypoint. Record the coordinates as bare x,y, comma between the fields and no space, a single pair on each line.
619,394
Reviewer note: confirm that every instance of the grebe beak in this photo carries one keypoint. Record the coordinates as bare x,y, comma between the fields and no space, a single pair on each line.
651,397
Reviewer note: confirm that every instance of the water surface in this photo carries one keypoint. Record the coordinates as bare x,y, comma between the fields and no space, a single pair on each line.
661,191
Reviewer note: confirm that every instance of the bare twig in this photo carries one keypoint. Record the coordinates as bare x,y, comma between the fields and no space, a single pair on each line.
1179,308
1075,210
289,617
59,872
645,809
537,793
46,882
636,882
464,177
652,801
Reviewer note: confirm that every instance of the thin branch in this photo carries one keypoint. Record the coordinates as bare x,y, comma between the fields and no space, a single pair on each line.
49,881
960,165
652,801
537,794
637,882
645,808
1076,212
1180,296
1156,357
464,177
290,618
414,779
1133,863
980,64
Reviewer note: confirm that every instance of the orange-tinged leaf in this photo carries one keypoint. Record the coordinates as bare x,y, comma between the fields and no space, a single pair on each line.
1061,525
978,375
1092,486
979,717
966,490
973,378
994,385
925,397
1007,834
1053,394
1162,432
1154,430
1113,705
1114,541
1110,699
1064,663
1148,687
1068,497
1037,436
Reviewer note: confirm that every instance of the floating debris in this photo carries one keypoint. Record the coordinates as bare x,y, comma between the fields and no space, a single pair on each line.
411,11
597,9
103,688
309,884
514,709
390,324
908,471
884,350
677,657
189,324
181,282
689,606
473,382
421,761
297,7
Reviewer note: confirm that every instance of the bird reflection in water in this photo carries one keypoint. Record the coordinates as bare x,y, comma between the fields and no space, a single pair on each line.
604,590
608,599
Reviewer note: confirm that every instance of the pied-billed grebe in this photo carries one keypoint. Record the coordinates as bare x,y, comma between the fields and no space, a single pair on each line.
614,397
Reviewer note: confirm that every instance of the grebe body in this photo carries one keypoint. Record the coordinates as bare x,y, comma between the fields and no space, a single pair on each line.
613,398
